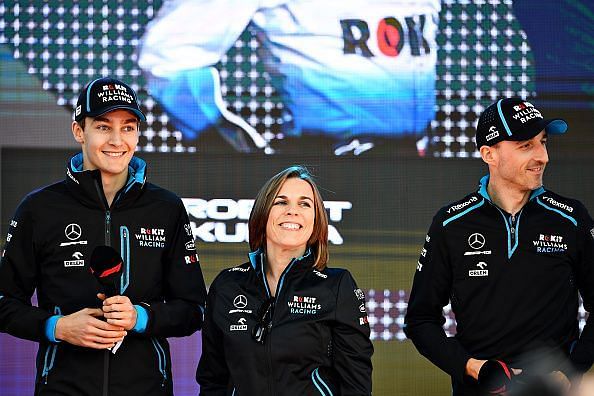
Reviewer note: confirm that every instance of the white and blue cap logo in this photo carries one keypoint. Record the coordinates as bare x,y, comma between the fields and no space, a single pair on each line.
104,95
514,119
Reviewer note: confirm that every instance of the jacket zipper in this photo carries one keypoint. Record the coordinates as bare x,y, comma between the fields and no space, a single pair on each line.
107,243
107,227
269,338
512,230
106,353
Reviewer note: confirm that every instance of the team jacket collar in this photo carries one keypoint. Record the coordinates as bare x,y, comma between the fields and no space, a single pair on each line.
300,264
257,258
87,187
484,182
512,223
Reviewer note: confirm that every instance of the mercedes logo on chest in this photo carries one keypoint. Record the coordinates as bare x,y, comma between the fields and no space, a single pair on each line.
240,301
73,231
476,241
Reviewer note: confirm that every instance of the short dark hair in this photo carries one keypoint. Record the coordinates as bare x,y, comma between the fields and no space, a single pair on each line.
318,241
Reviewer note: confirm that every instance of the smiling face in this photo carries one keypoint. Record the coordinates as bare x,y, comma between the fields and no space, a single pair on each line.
291,218
108,143
521,165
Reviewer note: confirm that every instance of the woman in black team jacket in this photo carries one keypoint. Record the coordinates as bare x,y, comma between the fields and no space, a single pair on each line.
283,323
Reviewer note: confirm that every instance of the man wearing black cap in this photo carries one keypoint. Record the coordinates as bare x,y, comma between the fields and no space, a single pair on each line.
510,258
104,200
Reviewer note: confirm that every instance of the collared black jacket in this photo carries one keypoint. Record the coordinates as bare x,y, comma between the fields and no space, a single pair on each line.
49,244
318,344
513,283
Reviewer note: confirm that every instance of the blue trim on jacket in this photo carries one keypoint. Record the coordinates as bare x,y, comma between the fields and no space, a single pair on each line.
141,319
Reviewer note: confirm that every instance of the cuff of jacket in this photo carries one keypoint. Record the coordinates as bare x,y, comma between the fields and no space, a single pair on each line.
50,328
582,355
142,318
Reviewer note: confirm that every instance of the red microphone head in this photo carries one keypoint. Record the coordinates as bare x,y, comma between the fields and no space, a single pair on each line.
106,266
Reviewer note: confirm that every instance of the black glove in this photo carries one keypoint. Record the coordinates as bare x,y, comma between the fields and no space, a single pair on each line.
495,377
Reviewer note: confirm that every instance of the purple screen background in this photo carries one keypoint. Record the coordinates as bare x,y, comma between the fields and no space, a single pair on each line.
17,365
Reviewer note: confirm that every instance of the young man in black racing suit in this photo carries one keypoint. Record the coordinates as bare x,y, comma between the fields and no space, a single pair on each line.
90,343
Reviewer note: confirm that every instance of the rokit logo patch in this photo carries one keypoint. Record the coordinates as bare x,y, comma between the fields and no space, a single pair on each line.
304,305
547,243
115,92
191,259
151,237
525,111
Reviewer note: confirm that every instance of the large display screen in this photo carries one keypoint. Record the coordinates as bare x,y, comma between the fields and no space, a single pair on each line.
379,101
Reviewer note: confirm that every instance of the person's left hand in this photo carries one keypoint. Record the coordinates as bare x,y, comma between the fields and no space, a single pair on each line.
561,380
119,311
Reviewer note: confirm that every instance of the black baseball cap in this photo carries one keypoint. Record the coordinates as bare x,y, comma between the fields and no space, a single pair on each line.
103,95
514,119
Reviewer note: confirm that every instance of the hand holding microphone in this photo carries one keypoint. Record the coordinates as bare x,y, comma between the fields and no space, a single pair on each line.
495,378
106,265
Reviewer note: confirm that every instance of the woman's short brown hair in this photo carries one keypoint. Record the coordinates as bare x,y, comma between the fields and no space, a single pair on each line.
318,241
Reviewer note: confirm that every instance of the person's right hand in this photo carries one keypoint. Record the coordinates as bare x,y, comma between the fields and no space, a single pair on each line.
495,377
82,328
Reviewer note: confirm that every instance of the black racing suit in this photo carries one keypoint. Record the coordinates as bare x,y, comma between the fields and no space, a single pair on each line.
513,284
49,245
318,343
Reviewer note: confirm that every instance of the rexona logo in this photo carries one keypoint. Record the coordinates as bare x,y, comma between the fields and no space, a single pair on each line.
462,205
560,205
226,220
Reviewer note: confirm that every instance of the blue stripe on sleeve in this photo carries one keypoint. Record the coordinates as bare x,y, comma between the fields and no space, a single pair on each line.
50,328
141,319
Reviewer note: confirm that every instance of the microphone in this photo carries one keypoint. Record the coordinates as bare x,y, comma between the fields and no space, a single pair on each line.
106,266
